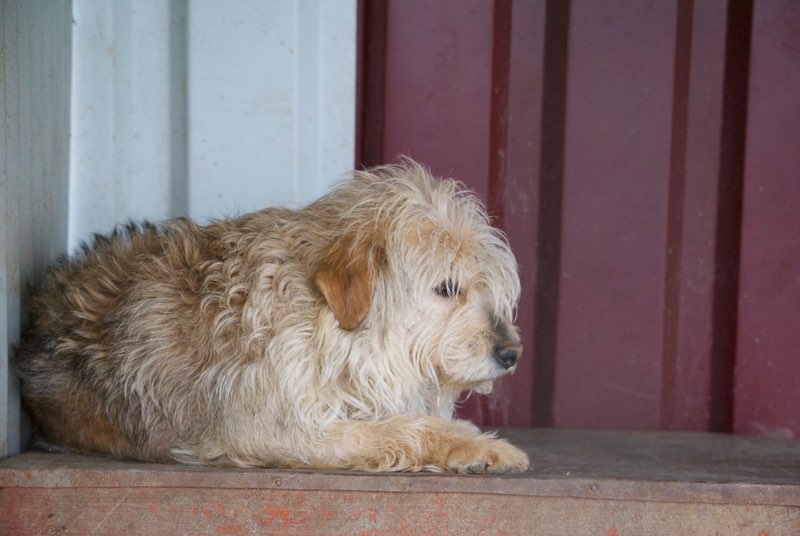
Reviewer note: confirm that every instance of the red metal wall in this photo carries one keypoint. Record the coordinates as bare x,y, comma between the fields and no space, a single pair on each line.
767,386
643,159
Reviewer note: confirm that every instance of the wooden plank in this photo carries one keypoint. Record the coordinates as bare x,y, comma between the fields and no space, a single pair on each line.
667,467
767,371
581,483
156,511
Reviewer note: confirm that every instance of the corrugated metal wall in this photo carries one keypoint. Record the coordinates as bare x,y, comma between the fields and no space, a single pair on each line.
149,109
767,379
642,157
34,171
207,108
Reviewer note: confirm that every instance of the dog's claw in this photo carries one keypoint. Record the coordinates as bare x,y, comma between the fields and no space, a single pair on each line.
477,468
499,470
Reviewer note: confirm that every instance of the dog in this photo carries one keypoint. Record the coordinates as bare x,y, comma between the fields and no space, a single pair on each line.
334,336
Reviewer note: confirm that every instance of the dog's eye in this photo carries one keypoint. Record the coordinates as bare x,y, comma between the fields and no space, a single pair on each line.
447,289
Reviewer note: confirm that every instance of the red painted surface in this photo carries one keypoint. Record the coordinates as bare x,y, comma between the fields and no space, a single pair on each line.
768,351
519,160
617,152
609,140
438,86
687,380
156,511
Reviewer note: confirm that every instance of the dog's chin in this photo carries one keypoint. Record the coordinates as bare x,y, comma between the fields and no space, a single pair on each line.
480,381
484,388
486,385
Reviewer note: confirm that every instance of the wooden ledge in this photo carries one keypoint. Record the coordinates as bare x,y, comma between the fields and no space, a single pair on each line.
623,467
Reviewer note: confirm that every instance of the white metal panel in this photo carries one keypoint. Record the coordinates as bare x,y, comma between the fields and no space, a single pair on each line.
207,108
326,76
124,140
34,143
271,102
147,109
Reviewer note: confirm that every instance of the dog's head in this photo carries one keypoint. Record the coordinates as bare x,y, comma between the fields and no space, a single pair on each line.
416,263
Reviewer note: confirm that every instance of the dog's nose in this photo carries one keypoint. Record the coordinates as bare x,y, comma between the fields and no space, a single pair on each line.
507,353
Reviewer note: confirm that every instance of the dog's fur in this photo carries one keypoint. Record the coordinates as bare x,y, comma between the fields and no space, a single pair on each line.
337,335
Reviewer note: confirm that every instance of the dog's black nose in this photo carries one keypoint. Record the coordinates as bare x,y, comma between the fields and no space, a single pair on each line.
507,353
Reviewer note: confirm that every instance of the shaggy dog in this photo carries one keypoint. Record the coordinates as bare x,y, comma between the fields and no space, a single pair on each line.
334,336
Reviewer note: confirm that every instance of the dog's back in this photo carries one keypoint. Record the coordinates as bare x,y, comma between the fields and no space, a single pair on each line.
144,297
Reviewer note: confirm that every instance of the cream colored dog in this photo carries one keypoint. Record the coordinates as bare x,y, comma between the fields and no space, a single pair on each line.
337,335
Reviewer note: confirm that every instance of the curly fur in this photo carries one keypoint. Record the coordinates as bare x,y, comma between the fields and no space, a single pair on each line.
336,335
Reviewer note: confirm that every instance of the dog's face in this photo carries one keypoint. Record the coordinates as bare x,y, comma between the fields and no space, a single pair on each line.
460,288
426,272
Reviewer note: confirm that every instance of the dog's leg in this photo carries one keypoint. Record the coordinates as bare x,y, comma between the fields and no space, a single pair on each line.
419,444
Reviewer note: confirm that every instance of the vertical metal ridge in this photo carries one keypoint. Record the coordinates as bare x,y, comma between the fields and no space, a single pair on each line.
498,145
675,206
548,274
179,107
729,215
498,135
370,82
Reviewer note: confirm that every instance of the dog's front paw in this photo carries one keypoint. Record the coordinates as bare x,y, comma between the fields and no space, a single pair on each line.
487,456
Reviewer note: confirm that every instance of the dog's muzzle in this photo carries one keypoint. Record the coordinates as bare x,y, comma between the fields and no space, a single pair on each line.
507,353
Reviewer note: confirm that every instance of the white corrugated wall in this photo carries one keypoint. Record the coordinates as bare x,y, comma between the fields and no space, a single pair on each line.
149,109
207,108
34,161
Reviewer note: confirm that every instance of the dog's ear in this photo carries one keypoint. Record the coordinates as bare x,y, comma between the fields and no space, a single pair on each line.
345,277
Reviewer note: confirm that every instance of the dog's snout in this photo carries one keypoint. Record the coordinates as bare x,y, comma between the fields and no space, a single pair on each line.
507,353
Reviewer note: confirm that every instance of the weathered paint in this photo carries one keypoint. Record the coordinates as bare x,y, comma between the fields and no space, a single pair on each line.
580,483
